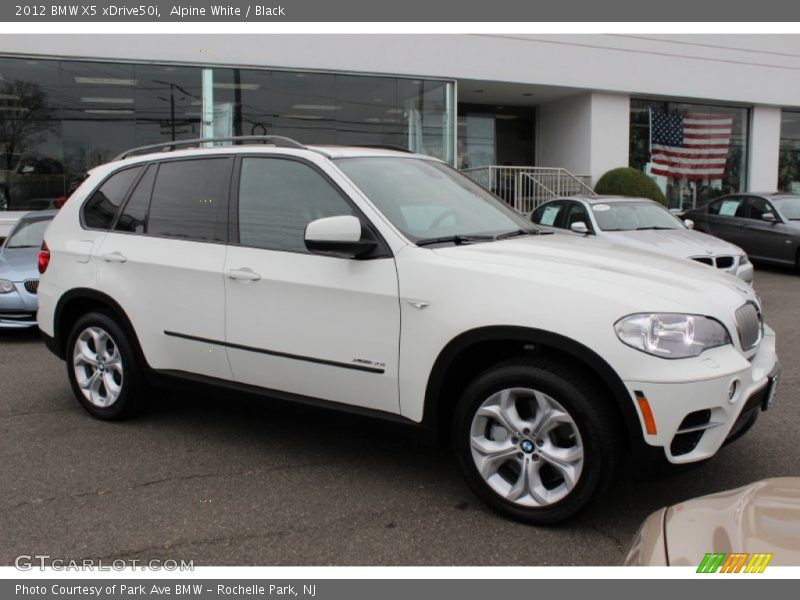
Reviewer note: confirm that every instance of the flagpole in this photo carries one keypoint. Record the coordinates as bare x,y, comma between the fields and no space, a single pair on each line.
650,131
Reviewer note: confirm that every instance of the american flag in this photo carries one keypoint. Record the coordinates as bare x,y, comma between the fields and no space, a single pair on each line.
690,146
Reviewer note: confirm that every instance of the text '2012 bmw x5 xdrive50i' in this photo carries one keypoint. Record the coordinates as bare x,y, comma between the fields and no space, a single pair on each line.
387,283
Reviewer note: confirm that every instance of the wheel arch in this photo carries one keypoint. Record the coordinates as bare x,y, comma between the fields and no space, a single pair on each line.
506,341
79,301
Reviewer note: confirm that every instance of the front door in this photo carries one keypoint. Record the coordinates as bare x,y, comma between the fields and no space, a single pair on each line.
316,326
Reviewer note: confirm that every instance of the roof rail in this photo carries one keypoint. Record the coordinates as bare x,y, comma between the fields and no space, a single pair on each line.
278,141
385,147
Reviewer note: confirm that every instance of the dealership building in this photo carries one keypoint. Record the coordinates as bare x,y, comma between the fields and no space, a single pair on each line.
702,114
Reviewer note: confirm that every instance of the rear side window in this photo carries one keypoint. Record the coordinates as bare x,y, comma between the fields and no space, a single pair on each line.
133,216
101,208
548,214
190,200
278,198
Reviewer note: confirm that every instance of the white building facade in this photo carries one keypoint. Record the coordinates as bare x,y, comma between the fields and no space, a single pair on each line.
586,103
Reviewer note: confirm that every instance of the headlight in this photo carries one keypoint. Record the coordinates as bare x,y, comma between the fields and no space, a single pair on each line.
671,335
6,287
743,260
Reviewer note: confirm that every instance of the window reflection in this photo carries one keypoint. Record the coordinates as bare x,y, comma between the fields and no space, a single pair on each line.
694,152
789,159
58,119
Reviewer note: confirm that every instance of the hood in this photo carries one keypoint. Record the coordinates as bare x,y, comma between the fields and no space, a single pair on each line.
589,265
681,243
761,517
19,264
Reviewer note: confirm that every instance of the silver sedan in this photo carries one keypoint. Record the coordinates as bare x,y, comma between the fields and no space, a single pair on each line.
19,274
643,225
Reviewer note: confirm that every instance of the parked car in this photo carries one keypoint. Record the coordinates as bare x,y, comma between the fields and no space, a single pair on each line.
29,181
7,222
389,284
767,226
749,527
642,224
19,276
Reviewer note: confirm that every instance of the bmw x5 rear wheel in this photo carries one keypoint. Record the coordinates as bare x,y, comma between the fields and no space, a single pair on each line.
102,368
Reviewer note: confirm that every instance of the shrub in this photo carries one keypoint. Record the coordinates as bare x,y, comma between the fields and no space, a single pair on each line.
627,181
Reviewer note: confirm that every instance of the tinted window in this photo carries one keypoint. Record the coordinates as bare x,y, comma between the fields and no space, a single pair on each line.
727,207
756,208
278,198
190,199
549,214
100,210
576,213
134,214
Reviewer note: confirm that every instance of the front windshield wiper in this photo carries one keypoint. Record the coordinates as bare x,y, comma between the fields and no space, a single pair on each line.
455,239
652,228
520,232
11,247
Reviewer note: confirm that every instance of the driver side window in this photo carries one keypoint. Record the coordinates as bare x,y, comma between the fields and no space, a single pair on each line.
278,198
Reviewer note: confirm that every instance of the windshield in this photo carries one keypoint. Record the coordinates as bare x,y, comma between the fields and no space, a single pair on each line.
29,234
427,200
789,207
632,216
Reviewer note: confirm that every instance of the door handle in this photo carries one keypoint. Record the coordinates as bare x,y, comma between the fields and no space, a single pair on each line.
115,257
242,274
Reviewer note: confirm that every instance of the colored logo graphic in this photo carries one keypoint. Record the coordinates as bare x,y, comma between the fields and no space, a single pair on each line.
741,562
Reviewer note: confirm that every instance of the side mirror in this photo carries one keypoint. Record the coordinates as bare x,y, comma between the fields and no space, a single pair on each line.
689,223
338,236
768,217
579,227
27,170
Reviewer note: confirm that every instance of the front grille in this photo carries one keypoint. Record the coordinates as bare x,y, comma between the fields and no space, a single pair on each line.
683,443
704,259
724,262
32,286
749,325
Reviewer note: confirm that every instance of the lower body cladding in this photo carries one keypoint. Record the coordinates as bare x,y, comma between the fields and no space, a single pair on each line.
18,308
692,420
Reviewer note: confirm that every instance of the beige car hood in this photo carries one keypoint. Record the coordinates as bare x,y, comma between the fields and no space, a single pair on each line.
761,517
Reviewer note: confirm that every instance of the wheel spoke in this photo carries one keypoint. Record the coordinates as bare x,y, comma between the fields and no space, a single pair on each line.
566,461
112,387
491,454
87,383
529,483
501,407
549,420
84,354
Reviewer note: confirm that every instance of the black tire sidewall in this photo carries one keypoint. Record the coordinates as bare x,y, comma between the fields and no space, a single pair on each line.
599,456
127,401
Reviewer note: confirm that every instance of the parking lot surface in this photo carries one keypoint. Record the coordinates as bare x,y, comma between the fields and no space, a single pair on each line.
225,480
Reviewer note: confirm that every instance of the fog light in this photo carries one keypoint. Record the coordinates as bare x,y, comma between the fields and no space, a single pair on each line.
734,387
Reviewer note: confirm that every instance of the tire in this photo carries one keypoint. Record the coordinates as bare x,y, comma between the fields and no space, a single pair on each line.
586,440
116,387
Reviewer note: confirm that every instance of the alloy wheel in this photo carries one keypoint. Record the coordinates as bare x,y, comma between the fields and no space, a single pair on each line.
98,367
526,447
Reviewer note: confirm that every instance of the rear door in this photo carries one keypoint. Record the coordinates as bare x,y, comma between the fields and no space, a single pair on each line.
163,259
724,219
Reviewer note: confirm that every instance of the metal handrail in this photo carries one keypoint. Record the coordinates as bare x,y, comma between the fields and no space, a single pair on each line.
525,188
278,141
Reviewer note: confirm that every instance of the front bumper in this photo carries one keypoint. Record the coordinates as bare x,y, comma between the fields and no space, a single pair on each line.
693,419
18,308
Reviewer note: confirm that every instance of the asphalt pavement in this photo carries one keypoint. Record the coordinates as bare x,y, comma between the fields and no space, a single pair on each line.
228,480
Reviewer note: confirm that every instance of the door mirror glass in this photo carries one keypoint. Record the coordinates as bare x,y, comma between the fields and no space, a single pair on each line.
689,223
340,236
579,227
768,217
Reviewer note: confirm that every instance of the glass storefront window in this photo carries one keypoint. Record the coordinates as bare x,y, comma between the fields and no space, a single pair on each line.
694,152
59,119
789,158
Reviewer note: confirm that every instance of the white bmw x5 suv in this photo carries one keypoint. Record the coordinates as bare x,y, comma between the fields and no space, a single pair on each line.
387,283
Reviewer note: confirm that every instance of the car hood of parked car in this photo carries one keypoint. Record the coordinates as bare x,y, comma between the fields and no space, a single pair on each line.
761,517
681,243
592,266
18,264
